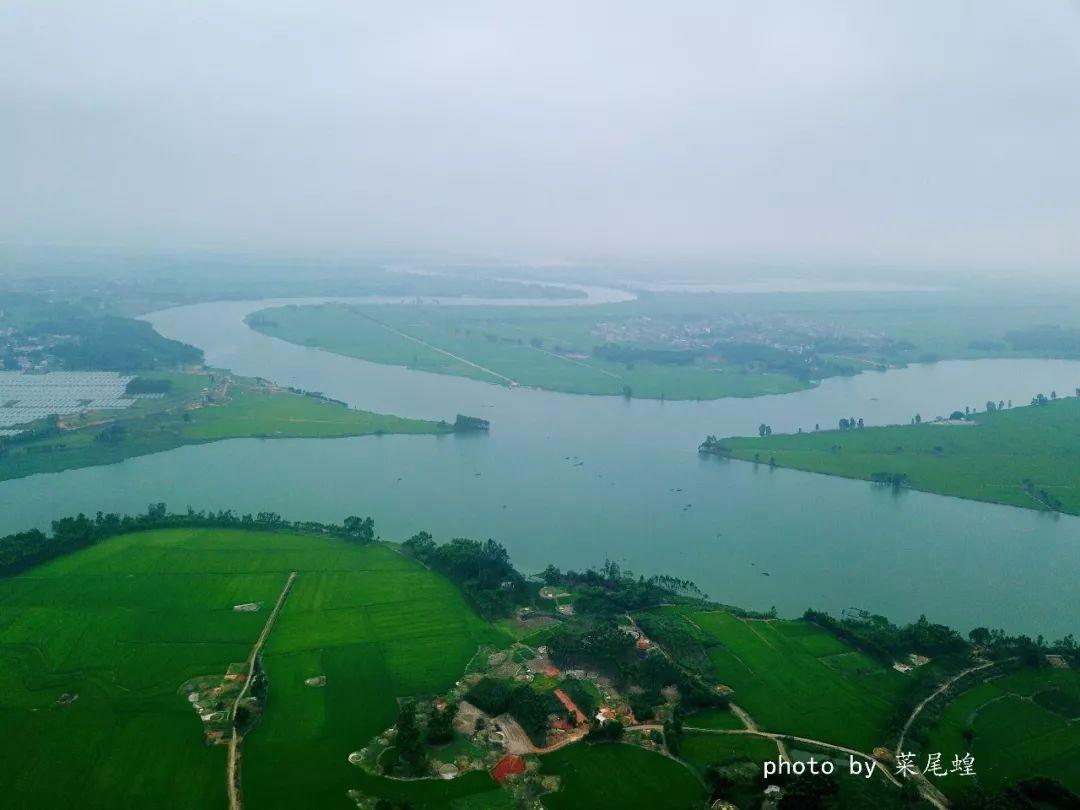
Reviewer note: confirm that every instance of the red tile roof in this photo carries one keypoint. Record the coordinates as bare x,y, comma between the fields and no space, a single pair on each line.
509,764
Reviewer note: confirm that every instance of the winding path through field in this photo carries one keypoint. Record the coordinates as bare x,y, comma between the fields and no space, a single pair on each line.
927,790
232,771
941,689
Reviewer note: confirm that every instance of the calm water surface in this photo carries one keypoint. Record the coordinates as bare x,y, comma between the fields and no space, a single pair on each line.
574,479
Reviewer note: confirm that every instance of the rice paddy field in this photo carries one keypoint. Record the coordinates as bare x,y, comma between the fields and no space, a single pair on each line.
1017,726
793,677
123,624
702,749
620,777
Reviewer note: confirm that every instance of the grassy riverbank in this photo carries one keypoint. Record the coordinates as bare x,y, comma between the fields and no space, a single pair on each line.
1023,456
197,408
549,348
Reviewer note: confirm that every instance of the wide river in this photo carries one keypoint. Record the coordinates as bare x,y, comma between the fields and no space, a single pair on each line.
577,479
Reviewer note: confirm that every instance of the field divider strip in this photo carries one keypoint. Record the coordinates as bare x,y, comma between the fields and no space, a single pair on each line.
435,348
232,771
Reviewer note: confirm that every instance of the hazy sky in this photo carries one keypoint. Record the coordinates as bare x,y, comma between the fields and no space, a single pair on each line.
933,133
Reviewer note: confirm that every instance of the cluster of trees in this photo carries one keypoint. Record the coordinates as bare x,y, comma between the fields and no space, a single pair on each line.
611,591
22,550
582,697
686,642
885,642
673,731
113,343
604,646
895,479
1029,651
440,729
466,424
851,423
608,648
713,445
606,731
411,756
483,571
530,708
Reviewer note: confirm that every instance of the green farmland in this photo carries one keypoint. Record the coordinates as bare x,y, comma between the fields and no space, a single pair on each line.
535,347
619,776
1023,456
792,677
1018,726
201,408
702,749
741,757
124,623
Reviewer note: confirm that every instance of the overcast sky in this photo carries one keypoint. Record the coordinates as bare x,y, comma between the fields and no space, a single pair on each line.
901,132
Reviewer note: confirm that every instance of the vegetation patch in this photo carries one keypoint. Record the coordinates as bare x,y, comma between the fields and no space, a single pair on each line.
1022,456
559,349
779,672
1018,726
197,408
614,775
127,622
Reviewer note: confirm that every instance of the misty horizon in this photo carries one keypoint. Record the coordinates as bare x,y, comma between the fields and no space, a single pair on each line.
694,141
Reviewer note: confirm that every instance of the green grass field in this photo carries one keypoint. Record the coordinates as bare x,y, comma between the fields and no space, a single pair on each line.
702,750
1023,725
246,410
124,623
500,340
987,460
786,675
620,777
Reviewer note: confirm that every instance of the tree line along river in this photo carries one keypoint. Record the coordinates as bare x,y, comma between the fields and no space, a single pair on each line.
576,479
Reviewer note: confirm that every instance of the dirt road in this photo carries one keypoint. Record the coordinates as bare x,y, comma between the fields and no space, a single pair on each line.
232,770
